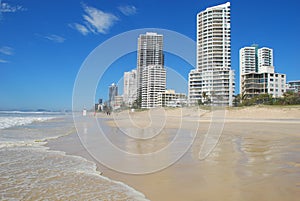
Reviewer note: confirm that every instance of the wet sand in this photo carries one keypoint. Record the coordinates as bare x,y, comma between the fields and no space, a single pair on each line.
256,157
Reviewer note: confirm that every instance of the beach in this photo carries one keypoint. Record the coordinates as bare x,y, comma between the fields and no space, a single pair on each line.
31,171
256,156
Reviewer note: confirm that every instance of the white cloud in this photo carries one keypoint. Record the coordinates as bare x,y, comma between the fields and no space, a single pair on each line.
55,38
7,8
6,50
127,10
82,29
3,61
95,21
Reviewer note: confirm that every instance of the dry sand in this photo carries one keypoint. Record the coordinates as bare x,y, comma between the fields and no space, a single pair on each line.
256,157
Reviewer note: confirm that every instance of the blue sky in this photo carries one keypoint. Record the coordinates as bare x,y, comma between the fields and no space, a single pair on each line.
44,43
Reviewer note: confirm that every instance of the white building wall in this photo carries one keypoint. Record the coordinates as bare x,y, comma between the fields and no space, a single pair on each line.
153,82
276,84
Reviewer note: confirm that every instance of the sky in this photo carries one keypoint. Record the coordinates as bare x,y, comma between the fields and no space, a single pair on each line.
43,44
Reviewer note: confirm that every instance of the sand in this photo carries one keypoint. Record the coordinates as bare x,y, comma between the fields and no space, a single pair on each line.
256,156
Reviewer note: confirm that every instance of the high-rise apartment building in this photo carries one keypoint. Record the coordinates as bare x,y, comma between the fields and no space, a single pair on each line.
213,78
248,60
265,58
112,93
150,65
130,87
153,82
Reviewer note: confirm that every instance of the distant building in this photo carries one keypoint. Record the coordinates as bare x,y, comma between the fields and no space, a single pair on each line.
170,98
294,86
265,58
117,102
112,93
268,82
213,75
248,60
153,82
257,74
130,87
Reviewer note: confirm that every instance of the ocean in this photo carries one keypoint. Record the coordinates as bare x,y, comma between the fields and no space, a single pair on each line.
30,171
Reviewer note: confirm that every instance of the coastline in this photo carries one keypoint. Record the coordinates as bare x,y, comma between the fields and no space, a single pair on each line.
249,162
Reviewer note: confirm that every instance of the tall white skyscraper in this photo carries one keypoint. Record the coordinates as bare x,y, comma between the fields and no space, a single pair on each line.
130,87
150,62
213,79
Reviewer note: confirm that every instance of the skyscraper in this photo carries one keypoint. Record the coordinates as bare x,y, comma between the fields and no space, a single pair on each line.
130,87
213,78
112,93
150,62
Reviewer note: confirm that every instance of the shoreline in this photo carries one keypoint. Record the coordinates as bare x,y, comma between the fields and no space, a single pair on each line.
224,170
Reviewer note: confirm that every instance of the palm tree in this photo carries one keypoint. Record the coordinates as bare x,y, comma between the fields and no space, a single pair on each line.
204,96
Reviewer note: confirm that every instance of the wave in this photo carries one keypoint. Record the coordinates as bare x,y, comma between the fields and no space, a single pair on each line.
9,121
33,165
30,112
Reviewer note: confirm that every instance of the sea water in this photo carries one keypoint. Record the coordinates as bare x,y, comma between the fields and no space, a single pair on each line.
30,171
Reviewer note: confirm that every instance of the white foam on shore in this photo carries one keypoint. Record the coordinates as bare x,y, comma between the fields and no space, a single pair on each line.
7,122
36,169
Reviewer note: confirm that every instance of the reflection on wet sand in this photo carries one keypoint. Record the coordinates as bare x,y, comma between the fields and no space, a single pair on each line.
256,158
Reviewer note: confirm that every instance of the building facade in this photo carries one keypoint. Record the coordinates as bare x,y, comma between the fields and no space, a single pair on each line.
130,87
170,98
294,86
271,83
153,82
248,59
213,75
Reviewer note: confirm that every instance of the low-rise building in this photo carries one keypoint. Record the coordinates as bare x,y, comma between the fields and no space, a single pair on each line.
293,86
270,82
170,98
